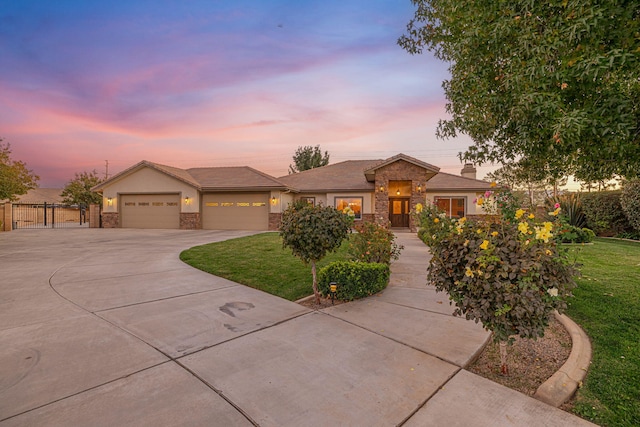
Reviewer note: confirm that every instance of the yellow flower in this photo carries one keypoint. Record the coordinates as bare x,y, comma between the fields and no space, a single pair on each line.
462,220
419,208
523,227
436,220
484,245
466,242
519,213
531,216
556,212
493,185
495,234
548,252
480,201
468,272
548,225
479,230
542,233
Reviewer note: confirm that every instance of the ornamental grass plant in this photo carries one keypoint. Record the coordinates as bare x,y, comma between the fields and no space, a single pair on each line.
506,271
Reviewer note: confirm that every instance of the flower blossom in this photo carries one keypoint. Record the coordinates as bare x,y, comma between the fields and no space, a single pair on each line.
468,272
519,213
484,245
553,292
523,227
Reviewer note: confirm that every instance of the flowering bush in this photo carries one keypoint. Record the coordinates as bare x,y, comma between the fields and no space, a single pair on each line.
508,273
373,243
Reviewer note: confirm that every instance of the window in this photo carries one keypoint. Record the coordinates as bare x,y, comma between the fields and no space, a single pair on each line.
454,207
309,200
355,203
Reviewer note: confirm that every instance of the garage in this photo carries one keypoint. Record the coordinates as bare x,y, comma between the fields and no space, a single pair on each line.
235,211
150,211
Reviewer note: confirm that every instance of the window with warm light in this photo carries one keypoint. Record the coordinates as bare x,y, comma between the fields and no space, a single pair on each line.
355,203
454,207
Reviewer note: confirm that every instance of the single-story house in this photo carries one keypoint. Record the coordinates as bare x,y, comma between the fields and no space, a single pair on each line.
150,195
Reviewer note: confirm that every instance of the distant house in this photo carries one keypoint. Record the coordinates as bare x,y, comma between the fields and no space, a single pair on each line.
150,195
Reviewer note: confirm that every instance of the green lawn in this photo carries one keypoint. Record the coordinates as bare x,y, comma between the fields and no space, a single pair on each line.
607,306
259,261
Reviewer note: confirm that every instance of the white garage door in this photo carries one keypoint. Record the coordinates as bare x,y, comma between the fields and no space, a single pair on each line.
235,211
150,210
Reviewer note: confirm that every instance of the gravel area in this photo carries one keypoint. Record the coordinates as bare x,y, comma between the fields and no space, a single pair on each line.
530,362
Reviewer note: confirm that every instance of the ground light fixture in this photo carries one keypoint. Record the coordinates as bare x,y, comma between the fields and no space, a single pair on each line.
333,289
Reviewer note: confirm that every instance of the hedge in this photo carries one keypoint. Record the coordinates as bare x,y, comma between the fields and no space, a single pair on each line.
354,279
604,213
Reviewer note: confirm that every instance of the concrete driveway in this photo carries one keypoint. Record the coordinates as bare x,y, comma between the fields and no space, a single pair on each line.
108,327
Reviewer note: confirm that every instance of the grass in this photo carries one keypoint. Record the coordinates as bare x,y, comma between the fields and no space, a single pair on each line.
259,261
607,306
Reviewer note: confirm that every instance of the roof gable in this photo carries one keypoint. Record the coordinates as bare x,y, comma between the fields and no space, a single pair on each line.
179,174
371,173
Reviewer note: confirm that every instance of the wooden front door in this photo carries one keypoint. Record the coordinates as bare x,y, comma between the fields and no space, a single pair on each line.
399,211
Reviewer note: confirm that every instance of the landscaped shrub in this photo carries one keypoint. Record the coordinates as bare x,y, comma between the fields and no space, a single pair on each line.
604,213
630,202
570,234
510,275
571,206
354,279
373,243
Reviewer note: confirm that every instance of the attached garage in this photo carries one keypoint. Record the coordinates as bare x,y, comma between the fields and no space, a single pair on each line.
150,211
235,211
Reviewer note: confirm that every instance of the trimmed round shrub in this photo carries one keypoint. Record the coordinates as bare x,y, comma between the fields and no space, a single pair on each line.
354,279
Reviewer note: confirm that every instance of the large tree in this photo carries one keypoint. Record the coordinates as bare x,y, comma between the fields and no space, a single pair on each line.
308,157
544,81
78,190
15,178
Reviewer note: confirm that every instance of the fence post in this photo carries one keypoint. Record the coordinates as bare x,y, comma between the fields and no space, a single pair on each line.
94,216
7,220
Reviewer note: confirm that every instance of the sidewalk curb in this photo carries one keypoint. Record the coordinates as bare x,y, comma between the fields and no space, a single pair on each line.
562,385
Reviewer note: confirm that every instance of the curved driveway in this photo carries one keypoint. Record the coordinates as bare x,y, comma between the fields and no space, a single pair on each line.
108,327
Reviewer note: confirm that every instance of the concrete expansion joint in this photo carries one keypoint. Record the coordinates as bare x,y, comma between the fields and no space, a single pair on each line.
562,385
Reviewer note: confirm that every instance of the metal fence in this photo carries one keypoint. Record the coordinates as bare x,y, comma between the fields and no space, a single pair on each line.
46,215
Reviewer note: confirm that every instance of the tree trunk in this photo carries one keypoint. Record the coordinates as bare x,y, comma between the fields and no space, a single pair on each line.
504,368
315,281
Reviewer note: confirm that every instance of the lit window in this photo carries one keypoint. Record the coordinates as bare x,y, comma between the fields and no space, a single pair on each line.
355,203
454,207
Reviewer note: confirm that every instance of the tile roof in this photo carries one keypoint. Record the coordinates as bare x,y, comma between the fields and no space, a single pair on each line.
344,176
235,178
447,181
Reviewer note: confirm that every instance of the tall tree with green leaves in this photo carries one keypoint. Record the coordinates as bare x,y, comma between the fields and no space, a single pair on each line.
542,81
15,178
308,157
78,190
311,232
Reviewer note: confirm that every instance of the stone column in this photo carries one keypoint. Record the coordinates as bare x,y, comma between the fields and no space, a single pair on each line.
7,220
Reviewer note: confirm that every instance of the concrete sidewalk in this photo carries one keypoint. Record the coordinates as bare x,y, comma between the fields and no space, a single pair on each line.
109,327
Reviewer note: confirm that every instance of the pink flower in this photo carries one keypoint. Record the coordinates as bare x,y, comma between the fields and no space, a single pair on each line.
556,206
487,194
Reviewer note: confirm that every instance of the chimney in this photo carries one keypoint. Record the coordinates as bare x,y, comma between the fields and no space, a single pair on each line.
468,171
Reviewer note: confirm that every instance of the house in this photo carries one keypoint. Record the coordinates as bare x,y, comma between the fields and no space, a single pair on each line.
150,195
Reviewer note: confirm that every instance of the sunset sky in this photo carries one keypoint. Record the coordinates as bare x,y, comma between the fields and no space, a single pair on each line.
214,83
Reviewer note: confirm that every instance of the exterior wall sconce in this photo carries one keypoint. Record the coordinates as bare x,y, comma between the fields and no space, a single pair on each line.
398,192
381,189
109,201
274,201
187,200
419,188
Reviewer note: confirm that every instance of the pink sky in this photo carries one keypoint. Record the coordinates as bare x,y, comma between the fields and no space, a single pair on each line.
215,84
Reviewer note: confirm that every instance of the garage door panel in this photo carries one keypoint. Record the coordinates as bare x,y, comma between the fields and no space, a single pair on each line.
150,211
235,211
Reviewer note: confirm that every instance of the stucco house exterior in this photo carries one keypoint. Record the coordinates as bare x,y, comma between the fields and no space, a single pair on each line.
150,195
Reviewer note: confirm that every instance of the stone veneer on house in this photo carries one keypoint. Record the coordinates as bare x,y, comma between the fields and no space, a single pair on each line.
110,220
190,221
399,171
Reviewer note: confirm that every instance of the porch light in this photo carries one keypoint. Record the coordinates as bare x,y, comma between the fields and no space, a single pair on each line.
109,201
187,200
398,192
274,200
419,188
381,189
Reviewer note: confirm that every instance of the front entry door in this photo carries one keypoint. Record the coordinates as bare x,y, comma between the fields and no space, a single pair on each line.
399,211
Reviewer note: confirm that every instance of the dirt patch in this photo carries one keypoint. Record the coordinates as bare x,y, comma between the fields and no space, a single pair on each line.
530,362
324,303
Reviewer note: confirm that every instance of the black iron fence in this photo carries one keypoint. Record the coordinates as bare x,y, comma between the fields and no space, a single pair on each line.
47,215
